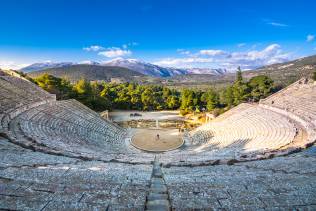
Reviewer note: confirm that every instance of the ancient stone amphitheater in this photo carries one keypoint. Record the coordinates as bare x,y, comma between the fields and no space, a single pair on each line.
60,155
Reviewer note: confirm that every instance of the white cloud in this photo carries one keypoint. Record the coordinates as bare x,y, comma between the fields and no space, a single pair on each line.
212,52
125,46
231,60
11,65
310,38
182,62
183,52
88,62
94,48
115,52
277,24
241,45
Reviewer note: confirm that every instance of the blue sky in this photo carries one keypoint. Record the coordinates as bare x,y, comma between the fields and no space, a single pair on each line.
180,33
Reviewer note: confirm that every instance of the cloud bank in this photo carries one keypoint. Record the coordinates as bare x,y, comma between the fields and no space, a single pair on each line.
94,48
278,24
216,58
11,65
310,38
115,52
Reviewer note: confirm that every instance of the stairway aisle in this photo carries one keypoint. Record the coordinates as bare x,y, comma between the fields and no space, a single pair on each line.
158,198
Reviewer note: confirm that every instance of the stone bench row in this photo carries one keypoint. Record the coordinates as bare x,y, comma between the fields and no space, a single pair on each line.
26,86
254,126
85,185
299,98
69,111
250,132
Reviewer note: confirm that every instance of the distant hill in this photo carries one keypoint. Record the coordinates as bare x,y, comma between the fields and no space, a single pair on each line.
142,67
45,65
89,72
283,74
159,71
207,71
289,72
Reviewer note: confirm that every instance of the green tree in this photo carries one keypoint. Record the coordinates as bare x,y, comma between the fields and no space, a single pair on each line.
83,88
136,100
261,87
123,99
166,92
211,99
58,86
83,92
187,100
240,92
239,77
228,96
148,99
173,102
240,89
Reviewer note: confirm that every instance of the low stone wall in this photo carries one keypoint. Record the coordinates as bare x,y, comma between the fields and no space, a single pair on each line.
162,124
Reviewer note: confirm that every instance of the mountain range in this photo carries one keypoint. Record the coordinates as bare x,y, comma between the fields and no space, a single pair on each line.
132,64
134,70
89,72
282,74
45,65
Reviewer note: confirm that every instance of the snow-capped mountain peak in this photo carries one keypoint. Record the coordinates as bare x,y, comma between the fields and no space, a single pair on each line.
88,62
45,65
141,67
211,71
158,71
132,64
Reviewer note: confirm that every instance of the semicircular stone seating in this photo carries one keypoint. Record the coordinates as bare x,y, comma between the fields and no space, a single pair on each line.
41,134
299,98
34,119
249,129
71,127
18,95
252,130
60,127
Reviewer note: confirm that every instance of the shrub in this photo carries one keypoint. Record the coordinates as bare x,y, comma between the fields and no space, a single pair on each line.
314,75
216,112
183,112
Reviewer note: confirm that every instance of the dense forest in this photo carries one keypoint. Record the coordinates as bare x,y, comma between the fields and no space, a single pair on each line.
109,96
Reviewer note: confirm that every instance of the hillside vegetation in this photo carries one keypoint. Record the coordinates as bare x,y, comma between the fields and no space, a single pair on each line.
102,96
288,72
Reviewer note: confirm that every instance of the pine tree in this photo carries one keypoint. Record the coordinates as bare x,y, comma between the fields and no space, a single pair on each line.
239,75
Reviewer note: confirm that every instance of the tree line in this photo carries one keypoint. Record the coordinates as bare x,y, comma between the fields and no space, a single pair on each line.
101,96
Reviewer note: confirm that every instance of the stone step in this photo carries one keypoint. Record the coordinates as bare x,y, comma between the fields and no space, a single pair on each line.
157,181
157,175
162,189
158,205
157,196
